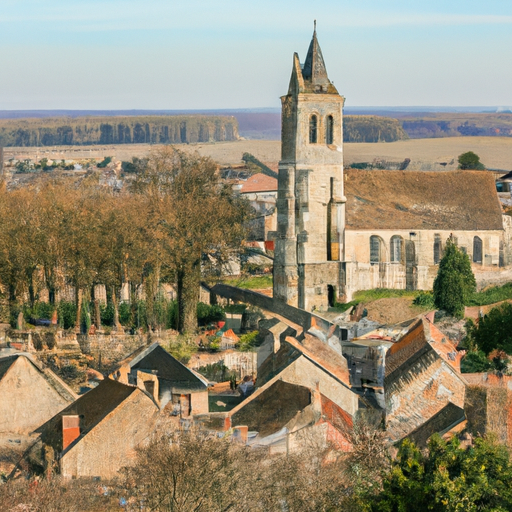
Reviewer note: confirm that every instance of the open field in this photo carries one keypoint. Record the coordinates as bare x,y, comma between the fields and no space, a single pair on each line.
494,152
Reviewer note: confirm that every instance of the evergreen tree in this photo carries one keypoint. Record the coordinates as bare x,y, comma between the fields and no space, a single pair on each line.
454,282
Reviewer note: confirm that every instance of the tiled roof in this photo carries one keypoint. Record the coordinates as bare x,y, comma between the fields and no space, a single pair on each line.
444,200
259,183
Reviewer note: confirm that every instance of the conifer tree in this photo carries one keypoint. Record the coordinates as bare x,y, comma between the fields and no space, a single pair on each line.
454,282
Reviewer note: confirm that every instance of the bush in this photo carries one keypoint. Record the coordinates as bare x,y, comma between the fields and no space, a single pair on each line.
106,160
471,161
66,314
494,330
125,313
248,341
475,362
207,314
237,309
217,372
107,314
425,300
182,349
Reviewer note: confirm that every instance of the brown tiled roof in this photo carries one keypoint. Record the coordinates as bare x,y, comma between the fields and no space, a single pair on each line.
323,355
444,347
449,200
259,183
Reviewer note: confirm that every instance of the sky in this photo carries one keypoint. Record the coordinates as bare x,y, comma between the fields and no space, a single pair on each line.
226,54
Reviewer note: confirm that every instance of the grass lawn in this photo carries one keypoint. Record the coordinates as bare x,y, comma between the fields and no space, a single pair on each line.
251,282
491,295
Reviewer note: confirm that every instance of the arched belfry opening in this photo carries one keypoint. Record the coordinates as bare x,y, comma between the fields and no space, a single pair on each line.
329,130
313,129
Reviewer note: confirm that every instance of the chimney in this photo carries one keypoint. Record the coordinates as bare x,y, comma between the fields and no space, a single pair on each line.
240,433
70,429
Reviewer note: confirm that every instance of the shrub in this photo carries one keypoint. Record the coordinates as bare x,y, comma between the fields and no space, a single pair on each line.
182,349
248,341
424,299
470,160
494,330
66,314
207,314
217,372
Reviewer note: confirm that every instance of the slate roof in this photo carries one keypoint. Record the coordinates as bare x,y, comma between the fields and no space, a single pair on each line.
5,364
92,407
444,200
155,359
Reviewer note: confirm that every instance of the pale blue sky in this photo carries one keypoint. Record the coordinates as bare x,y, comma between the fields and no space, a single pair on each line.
206,54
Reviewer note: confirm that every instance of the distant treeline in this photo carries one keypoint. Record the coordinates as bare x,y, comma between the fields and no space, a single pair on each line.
117,130
458,125
372,129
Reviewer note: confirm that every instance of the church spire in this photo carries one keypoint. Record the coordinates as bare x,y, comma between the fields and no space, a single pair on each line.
314,67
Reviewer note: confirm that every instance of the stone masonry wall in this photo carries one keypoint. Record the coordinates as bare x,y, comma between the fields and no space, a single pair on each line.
111,444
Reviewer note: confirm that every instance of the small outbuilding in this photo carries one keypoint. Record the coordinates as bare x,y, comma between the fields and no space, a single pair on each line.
174,386
97,434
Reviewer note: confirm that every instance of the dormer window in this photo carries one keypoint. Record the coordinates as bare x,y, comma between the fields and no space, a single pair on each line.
313,129
329,128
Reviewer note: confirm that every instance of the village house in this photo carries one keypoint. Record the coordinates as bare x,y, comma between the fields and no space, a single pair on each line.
342,231
261,192
31,394
489,404
97,434
175,387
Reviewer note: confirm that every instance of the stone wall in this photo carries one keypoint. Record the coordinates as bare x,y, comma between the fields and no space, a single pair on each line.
416,269
111,444
107,349
243,363
27,398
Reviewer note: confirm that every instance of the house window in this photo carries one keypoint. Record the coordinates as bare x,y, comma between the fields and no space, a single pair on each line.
437,249
396,247
313,129
375,248
329,128
477,250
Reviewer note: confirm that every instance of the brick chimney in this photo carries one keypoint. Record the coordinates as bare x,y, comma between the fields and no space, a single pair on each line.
70,429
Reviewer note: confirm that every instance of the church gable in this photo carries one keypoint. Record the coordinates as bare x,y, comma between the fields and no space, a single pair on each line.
395,200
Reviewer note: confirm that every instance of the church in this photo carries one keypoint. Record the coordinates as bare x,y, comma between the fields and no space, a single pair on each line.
340,231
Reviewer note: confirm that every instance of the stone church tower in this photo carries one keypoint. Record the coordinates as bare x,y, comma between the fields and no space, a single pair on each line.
309,246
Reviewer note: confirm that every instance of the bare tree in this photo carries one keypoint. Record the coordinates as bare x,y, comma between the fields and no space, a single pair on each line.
194,217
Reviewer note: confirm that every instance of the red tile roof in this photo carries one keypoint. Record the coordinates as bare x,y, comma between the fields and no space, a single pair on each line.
259,183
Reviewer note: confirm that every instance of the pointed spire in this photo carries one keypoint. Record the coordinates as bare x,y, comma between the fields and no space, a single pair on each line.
314,67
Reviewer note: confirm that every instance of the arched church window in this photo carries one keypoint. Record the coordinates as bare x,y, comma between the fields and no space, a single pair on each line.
437,249
477,250
396,249
375,249
329,128
313,129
